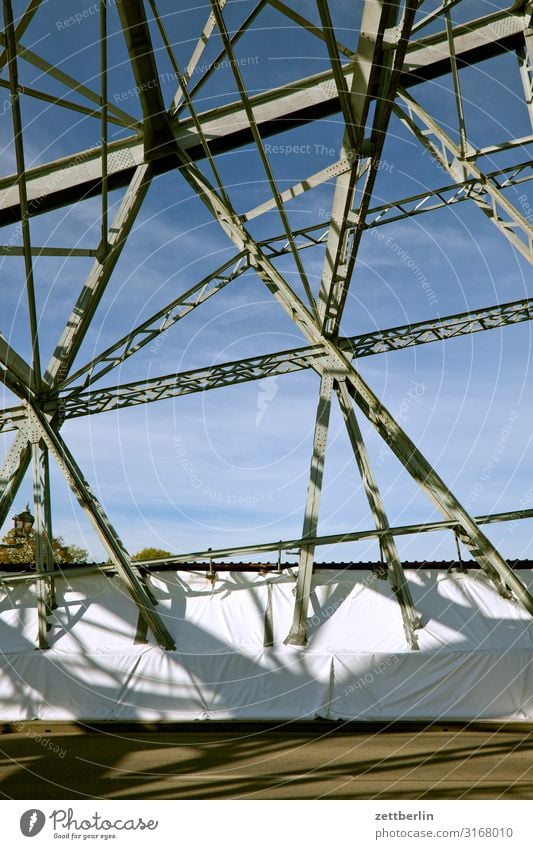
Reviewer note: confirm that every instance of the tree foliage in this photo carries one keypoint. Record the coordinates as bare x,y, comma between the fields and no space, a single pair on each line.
25,552
151,554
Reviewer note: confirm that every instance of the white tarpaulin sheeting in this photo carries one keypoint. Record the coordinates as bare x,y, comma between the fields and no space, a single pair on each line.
475,658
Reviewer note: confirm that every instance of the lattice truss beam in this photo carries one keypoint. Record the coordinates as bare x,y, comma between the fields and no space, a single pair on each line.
402,45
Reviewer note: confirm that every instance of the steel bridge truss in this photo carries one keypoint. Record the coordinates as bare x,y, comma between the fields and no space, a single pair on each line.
402,46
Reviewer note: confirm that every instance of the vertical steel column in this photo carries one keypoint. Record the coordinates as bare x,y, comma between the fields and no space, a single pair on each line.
105,530
375,17
397,579
356,104
11,46
456,82
47,520
103,125
44,559
525,59
298,634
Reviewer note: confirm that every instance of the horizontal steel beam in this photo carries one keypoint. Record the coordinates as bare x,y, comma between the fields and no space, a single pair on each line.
76,404
184,383
15,250
79,175
406,207
279,546
473,42
335,539
410,207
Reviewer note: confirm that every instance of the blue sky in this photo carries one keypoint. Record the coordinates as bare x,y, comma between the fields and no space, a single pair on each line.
231,466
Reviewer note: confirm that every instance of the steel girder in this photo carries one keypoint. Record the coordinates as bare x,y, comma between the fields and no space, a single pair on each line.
278,546
389,550
44,557
298,632
75,403
333,539
387,58
525,59
79,176
339,366
376,69
514,225
392,211
370,72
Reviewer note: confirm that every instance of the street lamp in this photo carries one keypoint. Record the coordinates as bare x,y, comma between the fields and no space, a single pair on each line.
23,523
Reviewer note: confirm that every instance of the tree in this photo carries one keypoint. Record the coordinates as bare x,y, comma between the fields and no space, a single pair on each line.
151,554
25,553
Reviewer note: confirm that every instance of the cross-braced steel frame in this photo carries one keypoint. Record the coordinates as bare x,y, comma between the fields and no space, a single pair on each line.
402,46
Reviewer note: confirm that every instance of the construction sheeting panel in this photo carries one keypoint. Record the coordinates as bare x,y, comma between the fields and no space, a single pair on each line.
476,657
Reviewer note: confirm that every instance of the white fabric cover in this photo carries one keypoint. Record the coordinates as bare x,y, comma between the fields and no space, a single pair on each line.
475,658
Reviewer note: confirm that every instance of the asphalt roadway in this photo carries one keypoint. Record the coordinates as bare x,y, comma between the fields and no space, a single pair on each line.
312,760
